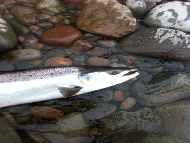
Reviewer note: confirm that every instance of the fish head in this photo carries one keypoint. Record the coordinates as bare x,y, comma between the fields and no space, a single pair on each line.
103,77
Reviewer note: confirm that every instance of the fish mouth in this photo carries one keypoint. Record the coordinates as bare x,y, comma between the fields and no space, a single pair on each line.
131,72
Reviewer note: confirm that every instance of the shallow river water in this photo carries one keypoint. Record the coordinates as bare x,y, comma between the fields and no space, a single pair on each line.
153,107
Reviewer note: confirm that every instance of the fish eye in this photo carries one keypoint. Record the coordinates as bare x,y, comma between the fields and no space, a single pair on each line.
114,73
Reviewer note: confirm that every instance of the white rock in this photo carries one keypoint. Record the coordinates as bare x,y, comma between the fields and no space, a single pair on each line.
174,15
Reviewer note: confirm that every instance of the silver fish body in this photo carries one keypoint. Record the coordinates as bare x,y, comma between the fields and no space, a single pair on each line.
27,86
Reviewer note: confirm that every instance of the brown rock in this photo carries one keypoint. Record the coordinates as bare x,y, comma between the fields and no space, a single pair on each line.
58,61
98,61
55,19
106,17
28,1
118,95
24,15
63,36
8,2
46,112
81,46
97,51
107,43
128,59
33,28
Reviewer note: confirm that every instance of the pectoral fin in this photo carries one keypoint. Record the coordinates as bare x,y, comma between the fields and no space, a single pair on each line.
68,92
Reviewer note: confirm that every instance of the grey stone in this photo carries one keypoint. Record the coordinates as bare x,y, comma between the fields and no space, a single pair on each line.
45,24
174,15
175,119
56,53
18,28
24,15
158,43
8,38
23,55
140,7
122,122
145,137
6,66
99,111
161,88
69,128
7,133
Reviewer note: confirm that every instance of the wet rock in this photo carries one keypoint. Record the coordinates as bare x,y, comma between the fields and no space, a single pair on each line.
33,28
99,15
24,15
43,112
66,128
6,66
140,7
55,19
99,111
123,86
169,15
28,1
158,43
175,119
122,122
81,46
18,109
98,61
128,103
161,88
128,59
22,66
107,43
26,117
63,36
117,65
57,61
43,16
8,37
145,137
56,53
149,65
7,133
8,16
22,55
118,95
45,24
79,58
97,51
48,4
99,96
2,7
8,2
18,28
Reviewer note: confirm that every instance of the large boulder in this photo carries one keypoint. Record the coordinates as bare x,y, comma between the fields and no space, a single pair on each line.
158,43
174,15
122,122
106,17
175,119
161,88
8,38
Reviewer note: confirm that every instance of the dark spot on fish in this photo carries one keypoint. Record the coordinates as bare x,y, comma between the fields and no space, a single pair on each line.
30,75
51,73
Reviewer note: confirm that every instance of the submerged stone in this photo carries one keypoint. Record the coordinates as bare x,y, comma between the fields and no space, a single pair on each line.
175,119
122,122
161,88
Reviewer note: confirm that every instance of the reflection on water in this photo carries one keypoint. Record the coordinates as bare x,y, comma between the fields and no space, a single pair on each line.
153,107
